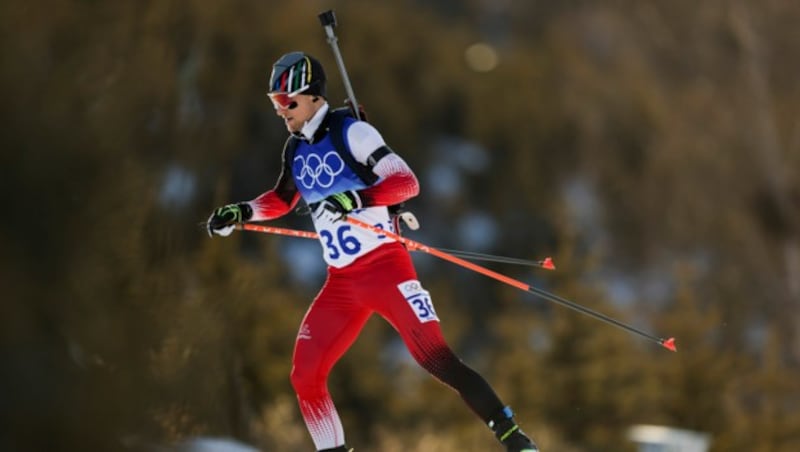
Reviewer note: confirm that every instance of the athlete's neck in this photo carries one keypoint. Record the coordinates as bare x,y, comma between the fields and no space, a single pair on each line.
310,127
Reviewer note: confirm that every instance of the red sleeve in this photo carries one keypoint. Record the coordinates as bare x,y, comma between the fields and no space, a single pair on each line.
394,189
277,202
271,205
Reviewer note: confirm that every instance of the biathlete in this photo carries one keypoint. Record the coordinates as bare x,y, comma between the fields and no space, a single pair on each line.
367,273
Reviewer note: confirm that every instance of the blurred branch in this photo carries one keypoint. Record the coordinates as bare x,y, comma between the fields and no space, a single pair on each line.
768,146
768,153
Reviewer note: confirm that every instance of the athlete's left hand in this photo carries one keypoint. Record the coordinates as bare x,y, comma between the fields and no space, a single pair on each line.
338,205
345,202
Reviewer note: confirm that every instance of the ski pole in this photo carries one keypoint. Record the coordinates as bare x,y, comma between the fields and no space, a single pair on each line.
274,230
546,263
668,343
328,21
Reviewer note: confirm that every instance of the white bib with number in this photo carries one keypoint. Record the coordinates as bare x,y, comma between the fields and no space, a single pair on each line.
342,242
419,299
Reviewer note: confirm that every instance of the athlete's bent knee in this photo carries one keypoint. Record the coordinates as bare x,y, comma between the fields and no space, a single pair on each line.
307,382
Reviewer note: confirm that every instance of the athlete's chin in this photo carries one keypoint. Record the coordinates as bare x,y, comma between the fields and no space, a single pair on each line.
292,126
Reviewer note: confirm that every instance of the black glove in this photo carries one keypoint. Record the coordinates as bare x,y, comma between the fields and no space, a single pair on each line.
223,220
346,201
338,205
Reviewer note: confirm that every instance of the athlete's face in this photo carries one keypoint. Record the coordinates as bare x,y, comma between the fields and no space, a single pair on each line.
296,110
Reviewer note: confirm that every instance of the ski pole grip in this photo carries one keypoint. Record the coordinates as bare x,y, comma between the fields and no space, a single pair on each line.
327,18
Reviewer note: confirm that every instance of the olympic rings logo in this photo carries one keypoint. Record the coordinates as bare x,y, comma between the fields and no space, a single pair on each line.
314,171
412,286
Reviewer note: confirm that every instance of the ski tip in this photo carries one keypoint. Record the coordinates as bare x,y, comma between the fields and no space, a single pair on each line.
669,344
548,264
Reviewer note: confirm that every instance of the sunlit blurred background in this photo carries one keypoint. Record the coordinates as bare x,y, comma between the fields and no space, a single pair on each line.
652,148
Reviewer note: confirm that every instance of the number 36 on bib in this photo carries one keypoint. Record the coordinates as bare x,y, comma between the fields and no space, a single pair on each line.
419,299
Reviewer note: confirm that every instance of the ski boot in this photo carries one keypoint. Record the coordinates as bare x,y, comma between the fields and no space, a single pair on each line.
509,434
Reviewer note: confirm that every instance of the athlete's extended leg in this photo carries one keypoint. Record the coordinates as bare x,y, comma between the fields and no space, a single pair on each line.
402,301
330,326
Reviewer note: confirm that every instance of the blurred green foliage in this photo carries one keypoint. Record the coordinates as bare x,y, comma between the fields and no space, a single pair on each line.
124,326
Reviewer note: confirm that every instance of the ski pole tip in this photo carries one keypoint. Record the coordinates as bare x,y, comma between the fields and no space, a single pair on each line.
669,344
547,263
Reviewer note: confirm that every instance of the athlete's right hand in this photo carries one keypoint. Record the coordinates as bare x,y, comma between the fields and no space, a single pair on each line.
224,219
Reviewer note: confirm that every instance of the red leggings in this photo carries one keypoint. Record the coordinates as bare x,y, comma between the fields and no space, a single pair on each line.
383,281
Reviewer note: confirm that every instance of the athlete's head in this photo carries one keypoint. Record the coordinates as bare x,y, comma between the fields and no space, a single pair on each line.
296,87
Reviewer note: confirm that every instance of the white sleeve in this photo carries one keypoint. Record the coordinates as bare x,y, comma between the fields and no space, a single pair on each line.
363,140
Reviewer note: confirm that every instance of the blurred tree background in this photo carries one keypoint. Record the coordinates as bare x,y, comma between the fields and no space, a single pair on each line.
652,148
